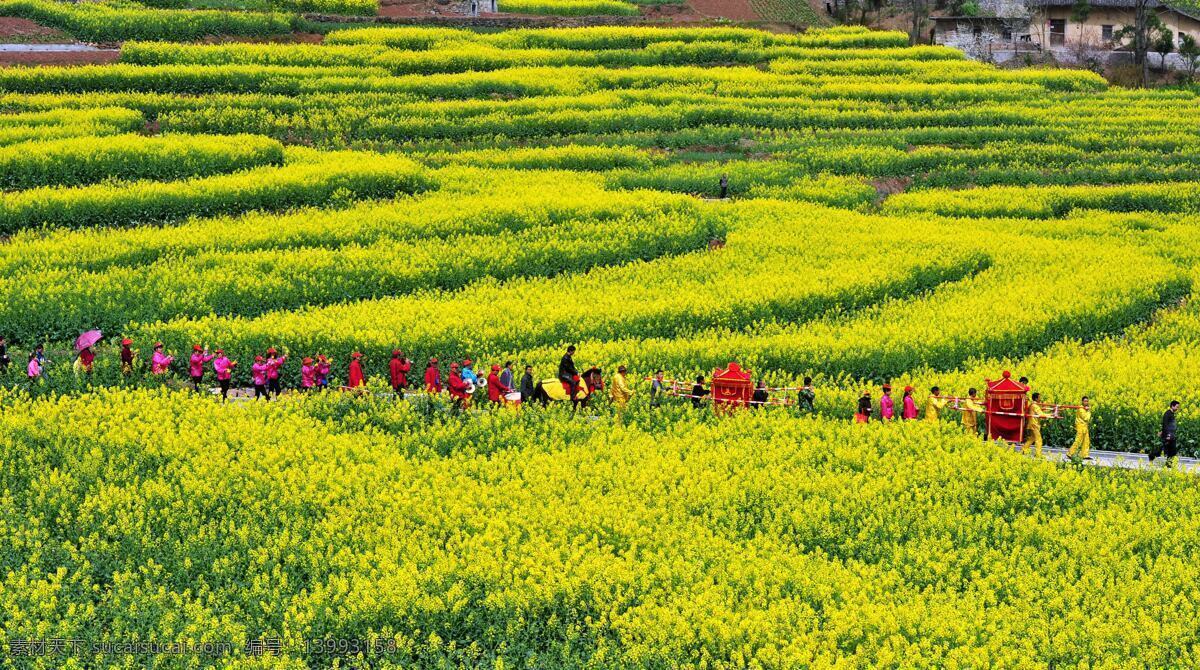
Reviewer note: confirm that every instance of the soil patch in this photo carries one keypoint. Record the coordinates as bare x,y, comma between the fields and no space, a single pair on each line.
735,10
9,58
24,31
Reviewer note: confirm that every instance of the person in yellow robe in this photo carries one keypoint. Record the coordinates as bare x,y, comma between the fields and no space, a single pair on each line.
934,404
1083,434
1033,425
620,391
971,409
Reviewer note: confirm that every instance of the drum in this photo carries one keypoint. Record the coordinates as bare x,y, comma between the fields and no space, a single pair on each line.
513,397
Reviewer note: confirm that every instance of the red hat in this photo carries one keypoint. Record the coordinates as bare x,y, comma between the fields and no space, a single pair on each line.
495,368
356,355
158,345
887,387
908,389
395,352
196,347
433,359
258,359
454,366
308,360
220,351
271,350
467,362
127,341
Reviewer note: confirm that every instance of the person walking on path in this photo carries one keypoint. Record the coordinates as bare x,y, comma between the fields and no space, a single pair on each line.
657,389
496,389
196,364
724,184
971,409
274,370
128,356
887,408
528,388
934,404
506,377
1167,436
908,405
863,415
258,374
85,361
160,363
224,369
308,374
34,369
1033,425
621,391
807,398
433,377
398,370
1083,435
759,398
43,363
354,376
324,366
457,387
698,392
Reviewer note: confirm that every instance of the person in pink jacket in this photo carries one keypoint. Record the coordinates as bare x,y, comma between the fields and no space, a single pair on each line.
323,366
258,373
909,411
308,375
887,408
34,369
196,365
160,363
274,365
224,369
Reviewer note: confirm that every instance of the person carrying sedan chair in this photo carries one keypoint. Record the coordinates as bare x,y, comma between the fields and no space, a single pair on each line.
1083,435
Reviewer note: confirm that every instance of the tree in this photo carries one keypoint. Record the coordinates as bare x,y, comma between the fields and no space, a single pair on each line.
1079,14
1162,42
1139,35
920,12
1189,52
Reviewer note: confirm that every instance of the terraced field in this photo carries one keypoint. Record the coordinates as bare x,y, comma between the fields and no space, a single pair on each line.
895,214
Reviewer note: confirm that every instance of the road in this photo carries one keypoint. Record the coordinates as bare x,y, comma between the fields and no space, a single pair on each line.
1121,459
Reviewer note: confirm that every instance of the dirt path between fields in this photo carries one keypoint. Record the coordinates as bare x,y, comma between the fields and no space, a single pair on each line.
735,10
55,54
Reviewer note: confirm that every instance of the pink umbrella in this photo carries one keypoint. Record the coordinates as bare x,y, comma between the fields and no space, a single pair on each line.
87,339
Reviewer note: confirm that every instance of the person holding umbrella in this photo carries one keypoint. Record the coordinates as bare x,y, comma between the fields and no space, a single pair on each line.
83,344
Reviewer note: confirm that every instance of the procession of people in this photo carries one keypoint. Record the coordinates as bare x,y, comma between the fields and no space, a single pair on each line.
498,386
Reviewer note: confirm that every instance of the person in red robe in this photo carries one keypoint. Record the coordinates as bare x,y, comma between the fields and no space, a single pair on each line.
433,377
355,378
457,387
496,389
398,369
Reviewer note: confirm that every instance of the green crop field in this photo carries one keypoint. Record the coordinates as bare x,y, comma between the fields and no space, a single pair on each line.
894,215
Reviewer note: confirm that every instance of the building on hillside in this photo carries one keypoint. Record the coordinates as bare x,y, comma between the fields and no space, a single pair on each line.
1005,29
